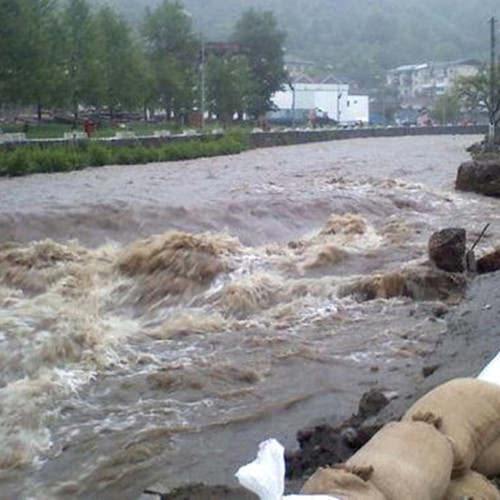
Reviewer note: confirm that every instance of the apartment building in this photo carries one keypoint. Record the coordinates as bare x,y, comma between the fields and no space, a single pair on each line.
419,84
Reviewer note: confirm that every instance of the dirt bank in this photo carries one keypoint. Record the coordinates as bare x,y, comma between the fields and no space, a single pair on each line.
469,342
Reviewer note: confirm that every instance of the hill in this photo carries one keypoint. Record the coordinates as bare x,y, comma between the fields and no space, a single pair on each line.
359,39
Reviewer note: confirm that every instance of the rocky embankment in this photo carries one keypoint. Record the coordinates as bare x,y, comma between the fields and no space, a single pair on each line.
482,173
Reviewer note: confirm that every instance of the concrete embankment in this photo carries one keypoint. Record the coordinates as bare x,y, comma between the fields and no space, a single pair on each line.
282,138
269,139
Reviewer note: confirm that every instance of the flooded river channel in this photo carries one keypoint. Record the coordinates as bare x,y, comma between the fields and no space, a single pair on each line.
158,321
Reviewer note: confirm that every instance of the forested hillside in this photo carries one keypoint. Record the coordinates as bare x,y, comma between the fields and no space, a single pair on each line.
358,38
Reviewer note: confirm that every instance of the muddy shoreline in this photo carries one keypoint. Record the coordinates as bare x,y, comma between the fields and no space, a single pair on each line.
470,341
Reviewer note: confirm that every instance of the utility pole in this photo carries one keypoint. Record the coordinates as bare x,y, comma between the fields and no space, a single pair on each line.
493,93
202,85
339,96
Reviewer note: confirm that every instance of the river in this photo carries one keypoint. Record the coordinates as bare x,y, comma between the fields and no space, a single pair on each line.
158,321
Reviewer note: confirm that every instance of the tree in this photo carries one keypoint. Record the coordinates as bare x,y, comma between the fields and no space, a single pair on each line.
446,108
172,50
121,64
478,94
262,42
229,84
83,69
28,69
384,102
11,23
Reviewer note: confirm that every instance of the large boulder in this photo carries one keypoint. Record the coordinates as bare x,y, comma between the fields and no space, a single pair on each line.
447,249
481,176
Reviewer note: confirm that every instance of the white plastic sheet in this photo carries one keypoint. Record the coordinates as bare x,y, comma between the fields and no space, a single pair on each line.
491,372
265,476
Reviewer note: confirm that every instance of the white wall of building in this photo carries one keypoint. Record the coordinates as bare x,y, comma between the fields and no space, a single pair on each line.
358,109
283,99
334,99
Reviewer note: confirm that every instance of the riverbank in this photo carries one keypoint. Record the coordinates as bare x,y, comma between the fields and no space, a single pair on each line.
19,156
469,342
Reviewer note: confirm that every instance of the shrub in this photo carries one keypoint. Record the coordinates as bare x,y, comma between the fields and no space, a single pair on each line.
17,162
57,160
26,160
99,155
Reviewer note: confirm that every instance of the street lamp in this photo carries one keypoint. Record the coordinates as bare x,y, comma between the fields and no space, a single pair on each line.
339,96
202,103
188,14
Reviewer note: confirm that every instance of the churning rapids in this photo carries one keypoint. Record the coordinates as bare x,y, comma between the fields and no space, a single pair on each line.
158,321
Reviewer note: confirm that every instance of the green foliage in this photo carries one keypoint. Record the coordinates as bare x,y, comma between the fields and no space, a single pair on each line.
17,162
262,43
45,160
99,155
25,160
172,51
83,70
69,55
335,33
122,64
476,93
28,37
229,85
446,109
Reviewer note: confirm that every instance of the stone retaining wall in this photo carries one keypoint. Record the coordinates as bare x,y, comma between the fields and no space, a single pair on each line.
268,139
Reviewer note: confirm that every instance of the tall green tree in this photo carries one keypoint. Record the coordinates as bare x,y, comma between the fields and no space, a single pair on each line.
121,64
446,108
173,51
11,23
229,84
28,69
83,68
478,94
262,42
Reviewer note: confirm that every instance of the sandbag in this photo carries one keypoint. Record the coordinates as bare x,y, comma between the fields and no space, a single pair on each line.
469,410
341,483
488,461
471,485
410,460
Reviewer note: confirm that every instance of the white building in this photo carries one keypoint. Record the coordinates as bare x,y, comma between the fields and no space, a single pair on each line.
358,109
328,96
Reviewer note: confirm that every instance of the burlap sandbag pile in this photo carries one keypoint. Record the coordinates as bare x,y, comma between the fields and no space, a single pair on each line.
442,449
343,482
471,485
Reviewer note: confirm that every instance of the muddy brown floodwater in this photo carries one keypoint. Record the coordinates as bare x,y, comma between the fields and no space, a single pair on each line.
158,321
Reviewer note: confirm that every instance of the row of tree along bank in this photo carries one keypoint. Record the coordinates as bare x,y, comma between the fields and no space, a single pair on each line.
59,155
64,55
